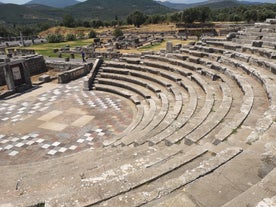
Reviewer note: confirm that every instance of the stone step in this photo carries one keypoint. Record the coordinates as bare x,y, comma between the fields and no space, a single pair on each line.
179,105
156,190
181,119
166,66
246,58
176,198
247,48
248,101
142,91
145,135
139,135
262,193
264,122
214,119
129,176
147,118
147,84
240,117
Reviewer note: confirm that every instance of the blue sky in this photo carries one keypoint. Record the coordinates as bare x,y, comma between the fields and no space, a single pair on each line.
178,1
19,1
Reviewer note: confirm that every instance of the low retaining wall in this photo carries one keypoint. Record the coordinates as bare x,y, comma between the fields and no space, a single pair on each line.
75,73
61,66
87,84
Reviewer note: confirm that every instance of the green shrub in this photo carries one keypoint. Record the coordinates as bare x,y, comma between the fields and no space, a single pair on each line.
70,37
55,38
92,34
118,32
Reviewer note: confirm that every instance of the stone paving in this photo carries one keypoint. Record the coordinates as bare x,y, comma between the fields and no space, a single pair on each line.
58,122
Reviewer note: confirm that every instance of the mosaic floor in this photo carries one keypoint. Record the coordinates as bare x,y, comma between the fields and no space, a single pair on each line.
60,121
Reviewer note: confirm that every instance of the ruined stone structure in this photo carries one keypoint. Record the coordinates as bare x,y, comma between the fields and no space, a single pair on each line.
190,126
16,75
34,63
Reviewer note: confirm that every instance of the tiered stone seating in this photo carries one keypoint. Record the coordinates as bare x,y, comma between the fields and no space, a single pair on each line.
204,107
220,84
171,94
261,73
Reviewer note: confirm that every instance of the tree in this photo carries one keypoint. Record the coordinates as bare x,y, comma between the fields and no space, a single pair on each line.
189,15
86,24
97,23
3,31
137,18
68,21
92,34
251,15
203,13
70,37
55,38
117,32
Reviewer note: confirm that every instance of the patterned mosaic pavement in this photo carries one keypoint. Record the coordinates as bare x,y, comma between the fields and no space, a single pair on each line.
60,121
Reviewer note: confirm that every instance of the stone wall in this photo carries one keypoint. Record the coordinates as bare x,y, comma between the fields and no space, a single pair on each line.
61,66
2,76
75,73
36,64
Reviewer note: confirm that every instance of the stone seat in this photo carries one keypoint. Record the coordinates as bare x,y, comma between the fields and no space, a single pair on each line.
125,78
214,119
144,114
182,66
131,69
257,194
158,137
134,196
247,48
163,112
177,122
147,94
161,121
247,58
262,123
247,104
249,37
113,74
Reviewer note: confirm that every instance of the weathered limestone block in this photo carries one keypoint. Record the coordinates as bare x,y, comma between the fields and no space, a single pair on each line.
268,159
267,202
257,43
169,47
44,78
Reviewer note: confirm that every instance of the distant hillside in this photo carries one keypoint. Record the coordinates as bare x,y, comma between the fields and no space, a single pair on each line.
178,6
12,13
109,9
54,3
90,9
214,4
220,4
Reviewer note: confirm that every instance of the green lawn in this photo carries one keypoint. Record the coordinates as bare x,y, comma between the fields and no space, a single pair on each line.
46,49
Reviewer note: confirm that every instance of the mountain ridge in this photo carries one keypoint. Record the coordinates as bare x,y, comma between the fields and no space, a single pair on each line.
214,4
90,9
105,10
54,3
115,8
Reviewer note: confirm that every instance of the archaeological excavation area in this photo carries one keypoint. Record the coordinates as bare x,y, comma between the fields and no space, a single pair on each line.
187,126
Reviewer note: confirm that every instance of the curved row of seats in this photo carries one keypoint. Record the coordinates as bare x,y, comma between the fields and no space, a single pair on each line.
195,111
201,98
174,118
